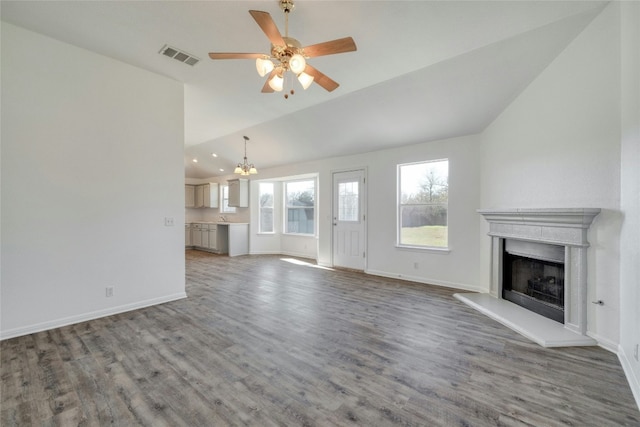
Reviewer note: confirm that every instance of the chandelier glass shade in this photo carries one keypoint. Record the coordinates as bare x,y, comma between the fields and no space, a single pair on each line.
245,168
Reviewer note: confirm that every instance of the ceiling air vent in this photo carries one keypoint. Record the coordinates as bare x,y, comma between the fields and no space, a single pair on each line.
179,55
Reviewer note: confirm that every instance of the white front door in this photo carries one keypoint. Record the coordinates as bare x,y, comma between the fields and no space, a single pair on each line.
349,230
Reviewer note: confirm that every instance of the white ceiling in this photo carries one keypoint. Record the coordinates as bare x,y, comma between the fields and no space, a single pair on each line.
424,70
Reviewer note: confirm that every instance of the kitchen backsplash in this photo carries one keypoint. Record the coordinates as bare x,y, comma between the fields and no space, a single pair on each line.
213,215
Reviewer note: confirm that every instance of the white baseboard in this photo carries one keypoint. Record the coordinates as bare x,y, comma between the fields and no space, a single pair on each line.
298,255
605,343
634,381
52,324
426,281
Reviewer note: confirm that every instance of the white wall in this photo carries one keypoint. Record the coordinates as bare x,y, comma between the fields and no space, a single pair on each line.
92,163
558,145
630,194
384,258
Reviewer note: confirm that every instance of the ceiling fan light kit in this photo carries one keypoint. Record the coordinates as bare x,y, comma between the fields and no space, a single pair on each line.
287,54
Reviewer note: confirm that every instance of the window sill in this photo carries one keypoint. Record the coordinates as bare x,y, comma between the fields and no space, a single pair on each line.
299,235
446,250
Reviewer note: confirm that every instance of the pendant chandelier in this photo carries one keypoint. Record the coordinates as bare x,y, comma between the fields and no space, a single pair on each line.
245,168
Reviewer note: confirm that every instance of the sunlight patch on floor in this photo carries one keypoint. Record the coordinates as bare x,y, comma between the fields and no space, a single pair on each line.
304,263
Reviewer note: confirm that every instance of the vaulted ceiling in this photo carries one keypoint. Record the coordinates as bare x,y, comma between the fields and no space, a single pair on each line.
424,70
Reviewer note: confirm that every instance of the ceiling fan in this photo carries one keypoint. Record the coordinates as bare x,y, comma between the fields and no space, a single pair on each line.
287,54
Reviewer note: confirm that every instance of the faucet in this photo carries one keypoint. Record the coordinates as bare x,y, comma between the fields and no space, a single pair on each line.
222,219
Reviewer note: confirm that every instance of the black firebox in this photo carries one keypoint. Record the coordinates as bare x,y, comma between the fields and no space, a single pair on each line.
533,277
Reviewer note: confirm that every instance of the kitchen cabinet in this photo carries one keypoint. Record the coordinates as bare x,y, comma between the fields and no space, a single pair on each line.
210,195
204,236
237,239
206,195
187,235
196,235
189,196
239,193
199,196
221,238
213,239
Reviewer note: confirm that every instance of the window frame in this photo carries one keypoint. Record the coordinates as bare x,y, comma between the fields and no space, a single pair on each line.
261,208
400,205
286,208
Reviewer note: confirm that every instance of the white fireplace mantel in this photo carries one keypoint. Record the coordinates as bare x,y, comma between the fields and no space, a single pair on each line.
566,227
557,226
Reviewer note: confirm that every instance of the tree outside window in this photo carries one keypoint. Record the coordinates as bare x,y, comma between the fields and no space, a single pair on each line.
423,204
300,207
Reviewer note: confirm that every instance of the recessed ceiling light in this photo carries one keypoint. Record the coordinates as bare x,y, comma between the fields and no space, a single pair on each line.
221,170
214,154
195,160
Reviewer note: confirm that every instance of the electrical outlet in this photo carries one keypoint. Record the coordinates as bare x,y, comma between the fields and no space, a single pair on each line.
168,222
108,291
415,265
635,353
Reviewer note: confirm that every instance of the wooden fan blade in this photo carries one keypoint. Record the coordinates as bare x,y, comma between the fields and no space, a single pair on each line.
269,27
329,48
266,88
321,79
235,55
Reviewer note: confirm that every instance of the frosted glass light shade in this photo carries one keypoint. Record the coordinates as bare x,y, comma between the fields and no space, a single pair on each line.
253,170
297,63
276,83
305,80
238,169
264,66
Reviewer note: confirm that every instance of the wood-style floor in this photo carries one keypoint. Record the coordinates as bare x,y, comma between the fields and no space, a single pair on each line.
266,342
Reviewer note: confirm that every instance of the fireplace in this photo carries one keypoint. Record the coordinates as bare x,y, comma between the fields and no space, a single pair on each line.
533,277
538,273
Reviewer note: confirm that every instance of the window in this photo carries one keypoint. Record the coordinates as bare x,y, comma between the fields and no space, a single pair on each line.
266,207
224,200
423,204
300,200
348,202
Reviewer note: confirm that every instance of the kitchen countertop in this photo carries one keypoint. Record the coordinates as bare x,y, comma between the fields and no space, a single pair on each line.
218,222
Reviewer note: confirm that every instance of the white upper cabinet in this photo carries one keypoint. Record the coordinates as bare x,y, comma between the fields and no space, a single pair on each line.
205,195
210,194
189,196
239,193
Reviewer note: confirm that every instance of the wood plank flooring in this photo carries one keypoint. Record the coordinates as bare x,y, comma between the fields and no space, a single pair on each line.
265,342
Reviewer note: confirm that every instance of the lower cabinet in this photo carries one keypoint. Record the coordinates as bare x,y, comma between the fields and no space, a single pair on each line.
232,239
187,235
196,235
213,239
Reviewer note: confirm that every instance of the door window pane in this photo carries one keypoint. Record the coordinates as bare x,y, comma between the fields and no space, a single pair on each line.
348,201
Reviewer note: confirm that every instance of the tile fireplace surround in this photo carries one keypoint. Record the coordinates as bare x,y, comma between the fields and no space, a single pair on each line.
565,227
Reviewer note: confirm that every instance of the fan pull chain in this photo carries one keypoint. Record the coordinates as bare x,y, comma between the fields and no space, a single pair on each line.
288,81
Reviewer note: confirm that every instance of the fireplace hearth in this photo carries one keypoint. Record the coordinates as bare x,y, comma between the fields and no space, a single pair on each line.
538,283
